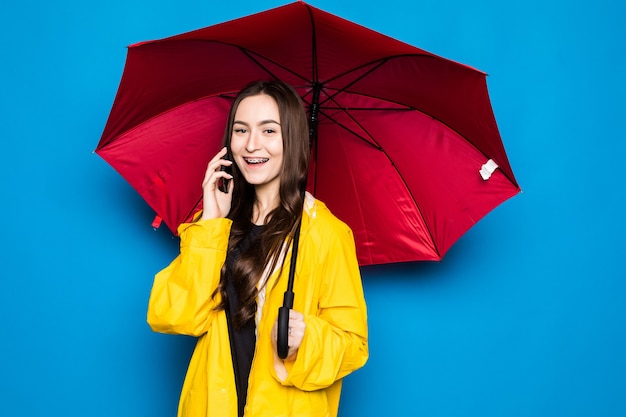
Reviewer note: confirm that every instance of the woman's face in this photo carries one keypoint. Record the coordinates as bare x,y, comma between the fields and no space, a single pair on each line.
257,142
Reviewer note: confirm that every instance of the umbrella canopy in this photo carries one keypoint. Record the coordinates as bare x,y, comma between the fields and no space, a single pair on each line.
405,146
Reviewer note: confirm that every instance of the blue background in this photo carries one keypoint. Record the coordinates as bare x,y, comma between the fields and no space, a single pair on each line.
524,317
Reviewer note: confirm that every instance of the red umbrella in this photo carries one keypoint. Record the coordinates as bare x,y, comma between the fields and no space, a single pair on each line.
405,148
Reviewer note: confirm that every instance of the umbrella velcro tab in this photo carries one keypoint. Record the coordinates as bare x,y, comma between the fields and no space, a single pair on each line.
156,223
487,169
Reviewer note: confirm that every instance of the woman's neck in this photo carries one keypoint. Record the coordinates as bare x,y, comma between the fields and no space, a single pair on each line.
265,202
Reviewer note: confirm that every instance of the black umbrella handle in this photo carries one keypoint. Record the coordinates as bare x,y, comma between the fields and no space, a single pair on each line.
282,342
282,337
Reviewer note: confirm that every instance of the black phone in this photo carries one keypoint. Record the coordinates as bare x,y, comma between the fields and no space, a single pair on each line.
222,183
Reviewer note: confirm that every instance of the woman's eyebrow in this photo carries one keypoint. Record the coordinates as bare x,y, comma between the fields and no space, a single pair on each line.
264,122
261,123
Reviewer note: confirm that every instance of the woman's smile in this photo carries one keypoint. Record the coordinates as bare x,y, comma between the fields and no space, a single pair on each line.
255,161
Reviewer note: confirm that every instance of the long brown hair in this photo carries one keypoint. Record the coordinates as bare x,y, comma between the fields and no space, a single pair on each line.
282,221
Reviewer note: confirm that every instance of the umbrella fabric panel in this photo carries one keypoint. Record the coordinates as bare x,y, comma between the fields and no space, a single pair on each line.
343,46
360,185
286,28
165,169
443,177
321,45
441,170
451,93
183,72
438,169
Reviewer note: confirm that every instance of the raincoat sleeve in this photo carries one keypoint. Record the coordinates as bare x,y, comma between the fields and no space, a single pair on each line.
181,299
335,341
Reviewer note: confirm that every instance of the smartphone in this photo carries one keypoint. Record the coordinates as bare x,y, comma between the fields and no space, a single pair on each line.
222,183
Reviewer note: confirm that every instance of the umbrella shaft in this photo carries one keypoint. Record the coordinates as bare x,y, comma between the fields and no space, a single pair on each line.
313,113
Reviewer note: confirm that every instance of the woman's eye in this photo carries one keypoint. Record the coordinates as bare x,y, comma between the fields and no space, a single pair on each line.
240,130
269,131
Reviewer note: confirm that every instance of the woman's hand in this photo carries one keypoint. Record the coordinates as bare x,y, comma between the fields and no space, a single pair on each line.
216,204
297,326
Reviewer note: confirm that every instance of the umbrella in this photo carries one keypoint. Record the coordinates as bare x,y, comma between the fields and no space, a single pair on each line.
405,146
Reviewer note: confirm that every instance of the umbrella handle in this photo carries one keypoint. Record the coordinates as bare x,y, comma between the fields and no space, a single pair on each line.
282,340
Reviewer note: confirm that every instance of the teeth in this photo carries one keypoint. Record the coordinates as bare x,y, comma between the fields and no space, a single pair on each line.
256,160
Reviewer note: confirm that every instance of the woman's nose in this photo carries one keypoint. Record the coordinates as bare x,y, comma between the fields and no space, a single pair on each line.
253,141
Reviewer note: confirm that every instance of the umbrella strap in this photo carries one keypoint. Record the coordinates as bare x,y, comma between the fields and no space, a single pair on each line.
282,340
292,265
294,254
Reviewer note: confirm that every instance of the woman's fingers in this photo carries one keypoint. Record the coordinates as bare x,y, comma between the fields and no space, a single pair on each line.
214,171
295,334
216,203
296,326
294,340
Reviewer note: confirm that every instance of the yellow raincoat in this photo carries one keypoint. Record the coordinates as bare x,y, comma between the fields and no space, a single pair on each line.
328,292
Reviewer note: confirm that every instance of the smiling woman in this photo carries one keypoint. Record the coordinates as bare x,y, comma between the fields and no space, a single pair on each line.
227,284
257,148
526,315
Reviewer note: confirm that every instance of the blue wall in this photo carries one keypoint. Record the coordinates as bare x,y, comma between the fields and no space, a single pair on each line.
524,317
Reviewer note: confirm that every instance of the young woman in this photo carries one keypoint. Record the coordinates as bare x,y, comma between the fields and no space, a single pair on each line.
227,284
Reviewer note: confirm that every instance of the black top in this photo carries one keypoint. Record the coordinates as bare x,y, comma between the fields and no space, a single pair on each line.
242,340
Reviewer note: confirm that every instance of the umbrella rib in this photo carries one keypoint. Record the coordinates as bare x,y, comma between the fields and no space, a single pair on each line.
314,69
347,86
346,111
250,54
370,108
383,60
371,142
